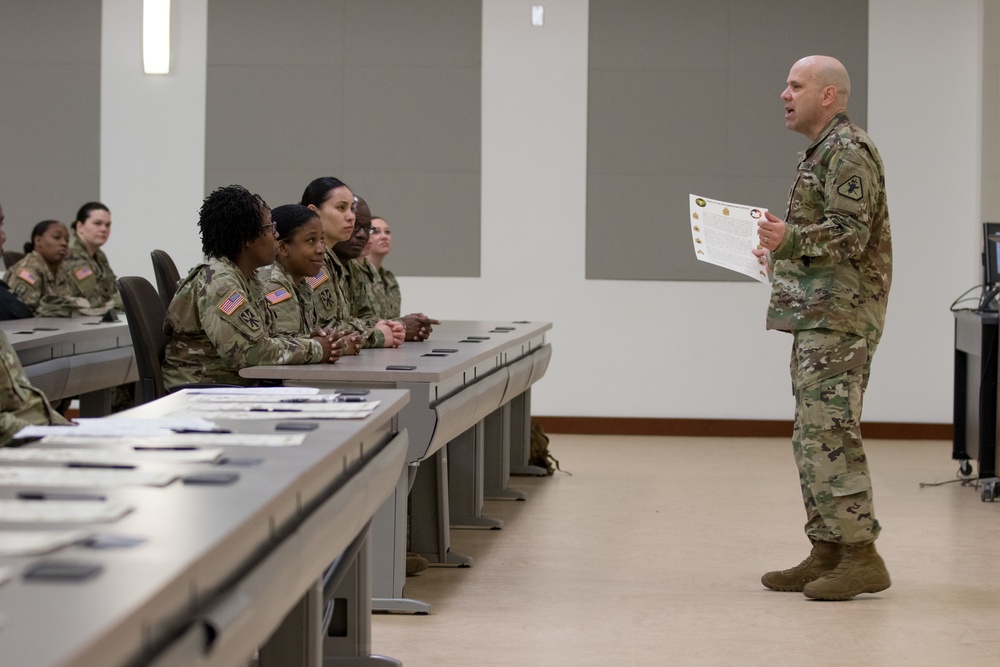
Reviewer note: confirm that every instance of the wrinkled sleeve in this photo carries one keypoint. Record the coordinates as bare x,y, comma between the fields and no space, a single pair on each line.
842,229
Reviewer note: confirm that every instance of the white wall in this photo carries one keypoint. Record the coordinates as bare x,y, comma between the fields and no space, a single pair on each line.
152,137
630,348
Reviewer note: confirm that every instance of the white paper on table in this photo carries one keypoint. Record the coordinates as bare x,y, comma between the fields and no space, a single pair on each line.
244,415
116,455
121,426
280,409
262,398
165,442
725,234
251,391
36,542
81,477
61,511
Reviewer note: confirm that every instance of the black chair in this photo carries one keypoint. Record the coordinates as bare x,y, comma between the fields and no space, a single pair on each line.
12,257
167,276
146,314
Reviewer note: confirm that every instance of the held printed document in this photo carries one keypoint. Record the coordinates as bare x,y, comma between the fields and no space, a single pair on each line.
726,234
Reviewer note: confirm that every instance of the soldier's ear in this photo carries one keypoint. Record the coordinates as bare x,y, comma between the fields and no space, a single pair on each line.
282,248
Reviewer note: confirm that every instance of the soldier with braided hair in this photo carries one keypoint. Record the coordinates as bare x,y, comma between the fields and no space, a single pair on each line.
217,322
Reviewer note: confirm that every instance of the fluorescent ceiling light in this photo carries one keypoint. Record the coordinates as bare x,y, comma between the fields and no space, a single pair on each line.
156,36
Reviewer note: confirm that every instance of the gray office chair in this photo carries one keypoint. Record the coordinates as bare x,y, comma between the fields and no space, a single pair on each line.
167,276
12,257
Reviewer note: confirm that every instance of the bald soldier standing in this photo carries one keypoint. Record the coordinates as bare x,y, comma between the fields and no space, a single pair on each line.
832,267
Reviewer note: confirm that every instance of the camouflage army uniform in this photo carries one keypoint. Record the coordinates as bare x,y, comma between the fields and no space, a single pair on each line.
21,404
291,305
93,274
832,272
50,293
372,287
393,298
217,324
339,304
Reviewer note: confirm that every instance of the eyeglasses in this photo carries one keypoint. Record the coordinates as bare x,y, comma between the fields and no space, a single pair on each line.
267,229
368,229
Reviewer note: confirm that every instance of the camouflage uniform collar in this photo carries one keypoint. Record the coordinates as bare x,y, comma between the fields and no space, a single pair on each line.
838,118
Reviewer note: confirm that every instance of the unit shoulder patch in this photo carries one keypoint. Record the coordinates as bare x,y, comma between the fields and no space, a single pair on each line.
852,188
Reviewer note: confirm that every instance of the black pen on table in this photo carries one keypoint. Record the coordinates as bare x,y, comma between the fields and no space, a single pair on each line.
57,495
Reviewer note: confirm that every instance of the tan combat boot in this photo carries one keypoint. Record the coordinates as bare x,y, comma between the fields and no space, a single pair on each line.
860,571
823,558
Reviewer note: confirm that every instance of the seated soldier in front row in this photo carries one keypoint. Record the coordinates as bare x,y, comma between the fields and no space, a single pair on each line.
21,404
216,323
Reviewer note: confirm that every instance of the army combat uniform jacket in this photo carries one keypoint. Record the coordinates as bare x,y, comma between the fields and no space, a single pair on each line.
217,324
21,404
372,289
337,304
51,293
833,267
93,274
291,305
393,297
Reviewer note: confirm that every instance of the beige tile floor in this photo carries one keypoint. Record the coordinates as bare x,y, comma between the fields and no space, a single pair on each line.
651,554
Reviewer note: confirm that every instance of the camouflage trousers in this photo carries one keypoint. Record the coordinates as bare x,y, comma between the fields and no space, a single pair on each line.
830,372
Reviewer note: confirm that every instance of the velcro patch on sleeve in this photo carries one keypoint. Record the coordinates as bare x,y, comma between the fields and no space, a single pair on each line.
852,188
278,295
27,276
318,279
232,302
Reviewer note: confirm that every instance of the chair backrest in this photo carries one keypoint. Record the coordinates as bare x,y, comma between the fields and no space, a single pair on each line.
167,276
146,315
12,257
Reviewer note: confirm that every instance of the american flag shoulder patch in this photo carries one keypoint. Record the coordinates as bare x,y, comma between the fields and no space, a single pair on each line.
232,302
318,279
27,276
278,295
83,272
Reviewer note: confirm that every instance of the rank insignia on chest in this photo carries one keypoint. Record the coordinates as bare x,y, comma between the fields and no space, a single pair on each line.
83,272
851,188
278,295
232,302
318,279
27,276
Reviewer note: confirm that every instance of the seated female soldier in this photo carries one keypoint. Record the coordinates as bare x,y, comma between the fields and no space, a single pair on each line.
42,278
216,323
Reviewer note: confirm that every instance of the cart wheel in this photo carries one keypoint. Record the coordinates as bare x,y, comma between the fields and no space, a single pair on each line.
965,468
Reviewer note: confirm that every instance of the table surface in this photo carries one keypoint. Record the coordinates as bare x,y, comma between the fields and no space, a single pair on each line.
198,539
371,366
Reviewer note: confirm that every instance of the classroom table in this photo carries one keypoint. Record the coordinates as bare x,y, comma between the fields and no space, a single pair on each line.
75,356
469,384
225,569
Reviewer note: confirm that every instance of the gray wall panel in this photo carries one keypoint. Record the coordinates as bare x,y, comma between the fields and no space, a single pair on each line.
383,94
684,97
50,106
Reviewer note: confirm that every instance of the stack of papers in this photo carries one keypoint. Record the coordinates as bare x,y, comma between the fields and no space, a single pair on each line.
113,456
61,511
33,543
81,477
